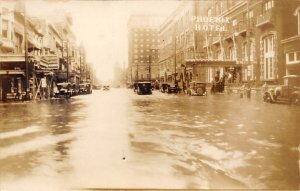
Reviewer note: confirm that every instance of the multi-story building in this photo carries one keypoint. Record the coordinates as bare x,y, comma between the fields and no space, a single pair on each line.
177,37
238,39
17,73
291,40
35,54
143,48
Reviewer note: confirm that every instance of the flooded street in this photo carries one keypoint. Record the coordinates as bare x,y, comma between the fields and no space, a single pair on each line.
117,139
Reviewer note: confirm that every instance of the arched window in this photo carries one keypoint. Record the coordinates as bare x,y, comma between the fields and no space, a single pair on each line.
268,56
297,14
217,8
209,12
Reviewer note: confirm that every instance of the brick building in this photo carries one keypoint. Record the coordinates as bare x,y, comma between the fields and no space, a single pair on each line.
37,53
291,41
243,40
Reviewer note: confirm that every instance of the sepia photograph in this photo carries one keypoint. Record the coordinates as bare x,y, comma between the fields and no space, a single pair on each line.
149,95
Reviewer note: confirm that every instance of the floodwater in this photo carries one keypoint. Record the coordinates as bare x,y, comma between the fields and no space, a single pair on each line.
117,139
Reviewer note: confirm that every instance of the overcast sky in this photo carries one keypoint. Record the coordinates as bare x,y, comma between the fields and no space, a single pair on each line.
102,26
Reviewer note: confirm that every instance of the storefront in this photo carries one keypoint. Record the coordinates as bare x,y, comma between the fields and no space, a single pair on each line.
204,70
12,77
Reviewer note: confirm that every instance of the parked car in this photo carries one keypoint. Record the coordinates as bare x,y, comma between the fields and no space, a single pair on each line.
64,90
96,87
143,88
197,89
164,87
289,92
85,88
172,89
106,88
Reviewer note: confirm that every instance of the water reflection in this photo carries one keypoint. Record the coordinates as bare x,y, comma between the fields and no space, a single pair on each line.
222,137
33,134
118,139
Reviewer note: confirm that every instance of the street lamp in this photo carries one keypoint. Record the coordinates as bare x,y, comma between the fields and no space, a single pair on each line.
175,83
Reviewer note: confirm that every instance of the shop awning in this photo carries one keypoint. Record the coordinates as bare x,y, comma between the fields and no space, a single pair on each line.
208,62
12,58
45,72
12,72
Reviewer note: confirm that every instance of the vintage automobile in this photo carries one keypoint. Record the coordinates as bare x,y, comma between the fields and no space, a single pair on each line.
106,88
164,87
197,89
96,87
143,88
289,92
64,90
85,88
172,89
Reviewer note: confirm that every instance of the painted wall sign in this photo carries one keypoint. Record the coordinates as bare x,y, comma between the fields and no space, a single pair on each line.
210,23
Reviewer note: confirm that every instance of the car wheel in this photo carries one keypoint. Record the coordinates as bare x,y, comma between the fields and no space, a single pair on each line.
267,98
295,100
199,91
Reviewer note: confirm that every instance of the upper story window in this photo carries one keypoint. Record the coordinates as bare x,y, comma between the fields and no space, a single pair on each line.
268,5
249,15
217,8
209,12
234,22
299,22
293,57
4,28
297,14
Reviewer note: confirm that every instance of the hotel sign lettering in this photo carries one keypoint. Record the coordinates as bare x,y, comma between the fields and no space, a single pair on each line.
211,23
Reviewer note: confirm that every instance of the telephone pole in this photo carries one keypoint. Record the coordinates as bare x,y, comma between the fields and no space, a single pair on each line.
26,55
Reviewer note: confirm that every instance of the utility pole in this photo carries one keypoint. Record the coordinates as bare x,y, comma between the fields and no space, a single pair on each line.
67,61
79,66
175,83
26,54
150,65
248,40
137,72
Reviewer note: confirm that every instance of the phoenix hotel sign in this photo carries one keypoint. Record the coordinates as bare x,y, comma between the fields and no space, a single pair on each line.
211,23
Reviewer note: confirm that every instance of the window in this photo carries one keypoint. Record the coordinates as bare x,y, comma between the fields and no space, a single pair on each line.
293,57
268,55
268,5
299,22
217,9
249,15
209,12
4,28
297,14
232,53
234,22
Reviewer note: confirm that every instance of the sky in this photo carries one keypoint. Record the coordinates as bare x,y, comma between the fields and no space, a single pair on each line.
102,26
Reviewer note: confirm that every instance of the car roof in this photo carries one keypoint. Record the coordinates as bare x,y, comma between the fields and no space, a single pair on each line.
64,83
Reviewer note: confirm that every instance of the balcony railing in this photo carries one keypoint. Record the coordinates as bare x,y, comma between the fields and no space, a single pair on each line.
265,18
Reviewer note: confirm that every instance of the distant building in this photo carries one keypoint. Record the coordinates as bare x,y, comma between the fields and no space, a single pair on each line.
143,48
